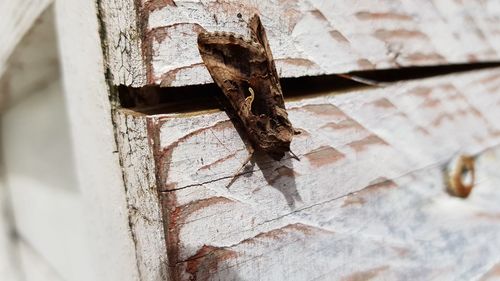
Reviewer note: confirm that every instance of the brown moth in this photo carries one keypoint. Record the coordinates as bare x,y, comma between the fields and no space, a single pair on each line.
245,71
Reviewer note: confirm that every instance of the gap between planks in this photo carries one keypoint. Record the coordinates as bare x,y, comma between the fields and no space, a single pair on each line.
153,99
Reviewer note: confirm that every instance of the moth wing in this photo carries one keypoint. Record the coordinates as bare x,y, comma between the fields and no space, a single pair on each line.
232,63
258,33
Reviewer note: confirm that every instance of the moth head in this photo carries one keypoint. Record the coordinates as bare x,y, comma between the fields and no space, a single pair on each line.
275,135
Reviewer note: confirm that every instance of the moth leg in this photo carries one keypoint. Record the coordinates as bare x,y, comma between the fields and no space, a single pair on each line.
294,155
235,176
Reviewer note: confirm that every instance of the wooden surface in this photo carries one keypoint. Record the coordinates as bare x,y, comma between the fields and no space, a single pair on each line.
16,18
34,64
34,267
40,177
145,217
367,197
98,171
154,42
9,262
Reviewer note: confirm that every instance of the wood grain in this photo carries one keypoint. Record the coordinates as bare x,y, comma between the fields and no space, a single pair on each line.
367,198
154,42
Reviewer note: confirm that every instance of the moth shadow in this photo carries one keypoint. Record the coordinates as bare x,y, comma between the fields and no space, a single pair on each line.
280,175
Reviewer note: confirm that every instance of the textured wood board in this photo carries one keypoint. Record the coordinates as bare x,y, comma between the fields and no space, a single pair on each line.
154,42
367,197
145,216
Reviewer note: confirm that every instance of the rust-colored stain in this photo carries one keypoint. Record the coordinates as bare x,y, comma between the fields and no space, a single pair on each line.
385,34
184,211
159,34
423,92
207,261
345,124
335,34
324,110
153,5
324,155
362,144
491,274
217,162
297,62
365,64
283,172
489,79
430,103
279,234
419,57
384,103
472,58
448,87
379,184
423,130
441,118
366,274
363,15
353,199
169,77
489,216
319,15
401,251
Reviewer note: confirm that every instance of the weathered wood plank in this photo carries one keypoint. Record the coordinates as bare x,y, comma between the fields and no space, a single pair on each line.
35,267
145,214
16,18
34,64
9,262
370,175
154,42
40,176
98,170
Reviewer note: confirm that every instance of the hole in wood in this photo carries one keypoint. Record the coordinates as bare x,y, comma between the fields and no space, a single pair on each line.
461,176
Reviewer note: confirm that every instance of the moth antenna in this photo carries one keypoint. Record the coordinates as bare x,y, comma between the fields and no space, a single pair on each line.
294,156
235,175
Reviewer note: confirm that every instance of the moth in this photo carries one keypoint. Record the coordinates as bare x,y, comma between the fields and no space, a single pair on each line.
246,73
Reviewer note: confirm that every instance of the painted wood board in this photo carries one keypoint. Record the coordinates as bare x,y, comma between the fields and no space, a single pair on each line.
9,260
370,174
145,216
41,180
16,18
154,42
34,64
34,266
97,165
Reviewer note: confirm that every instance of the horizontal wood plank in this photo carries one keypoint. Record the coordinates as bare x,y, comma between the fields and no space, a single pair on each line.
154,42
366,198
